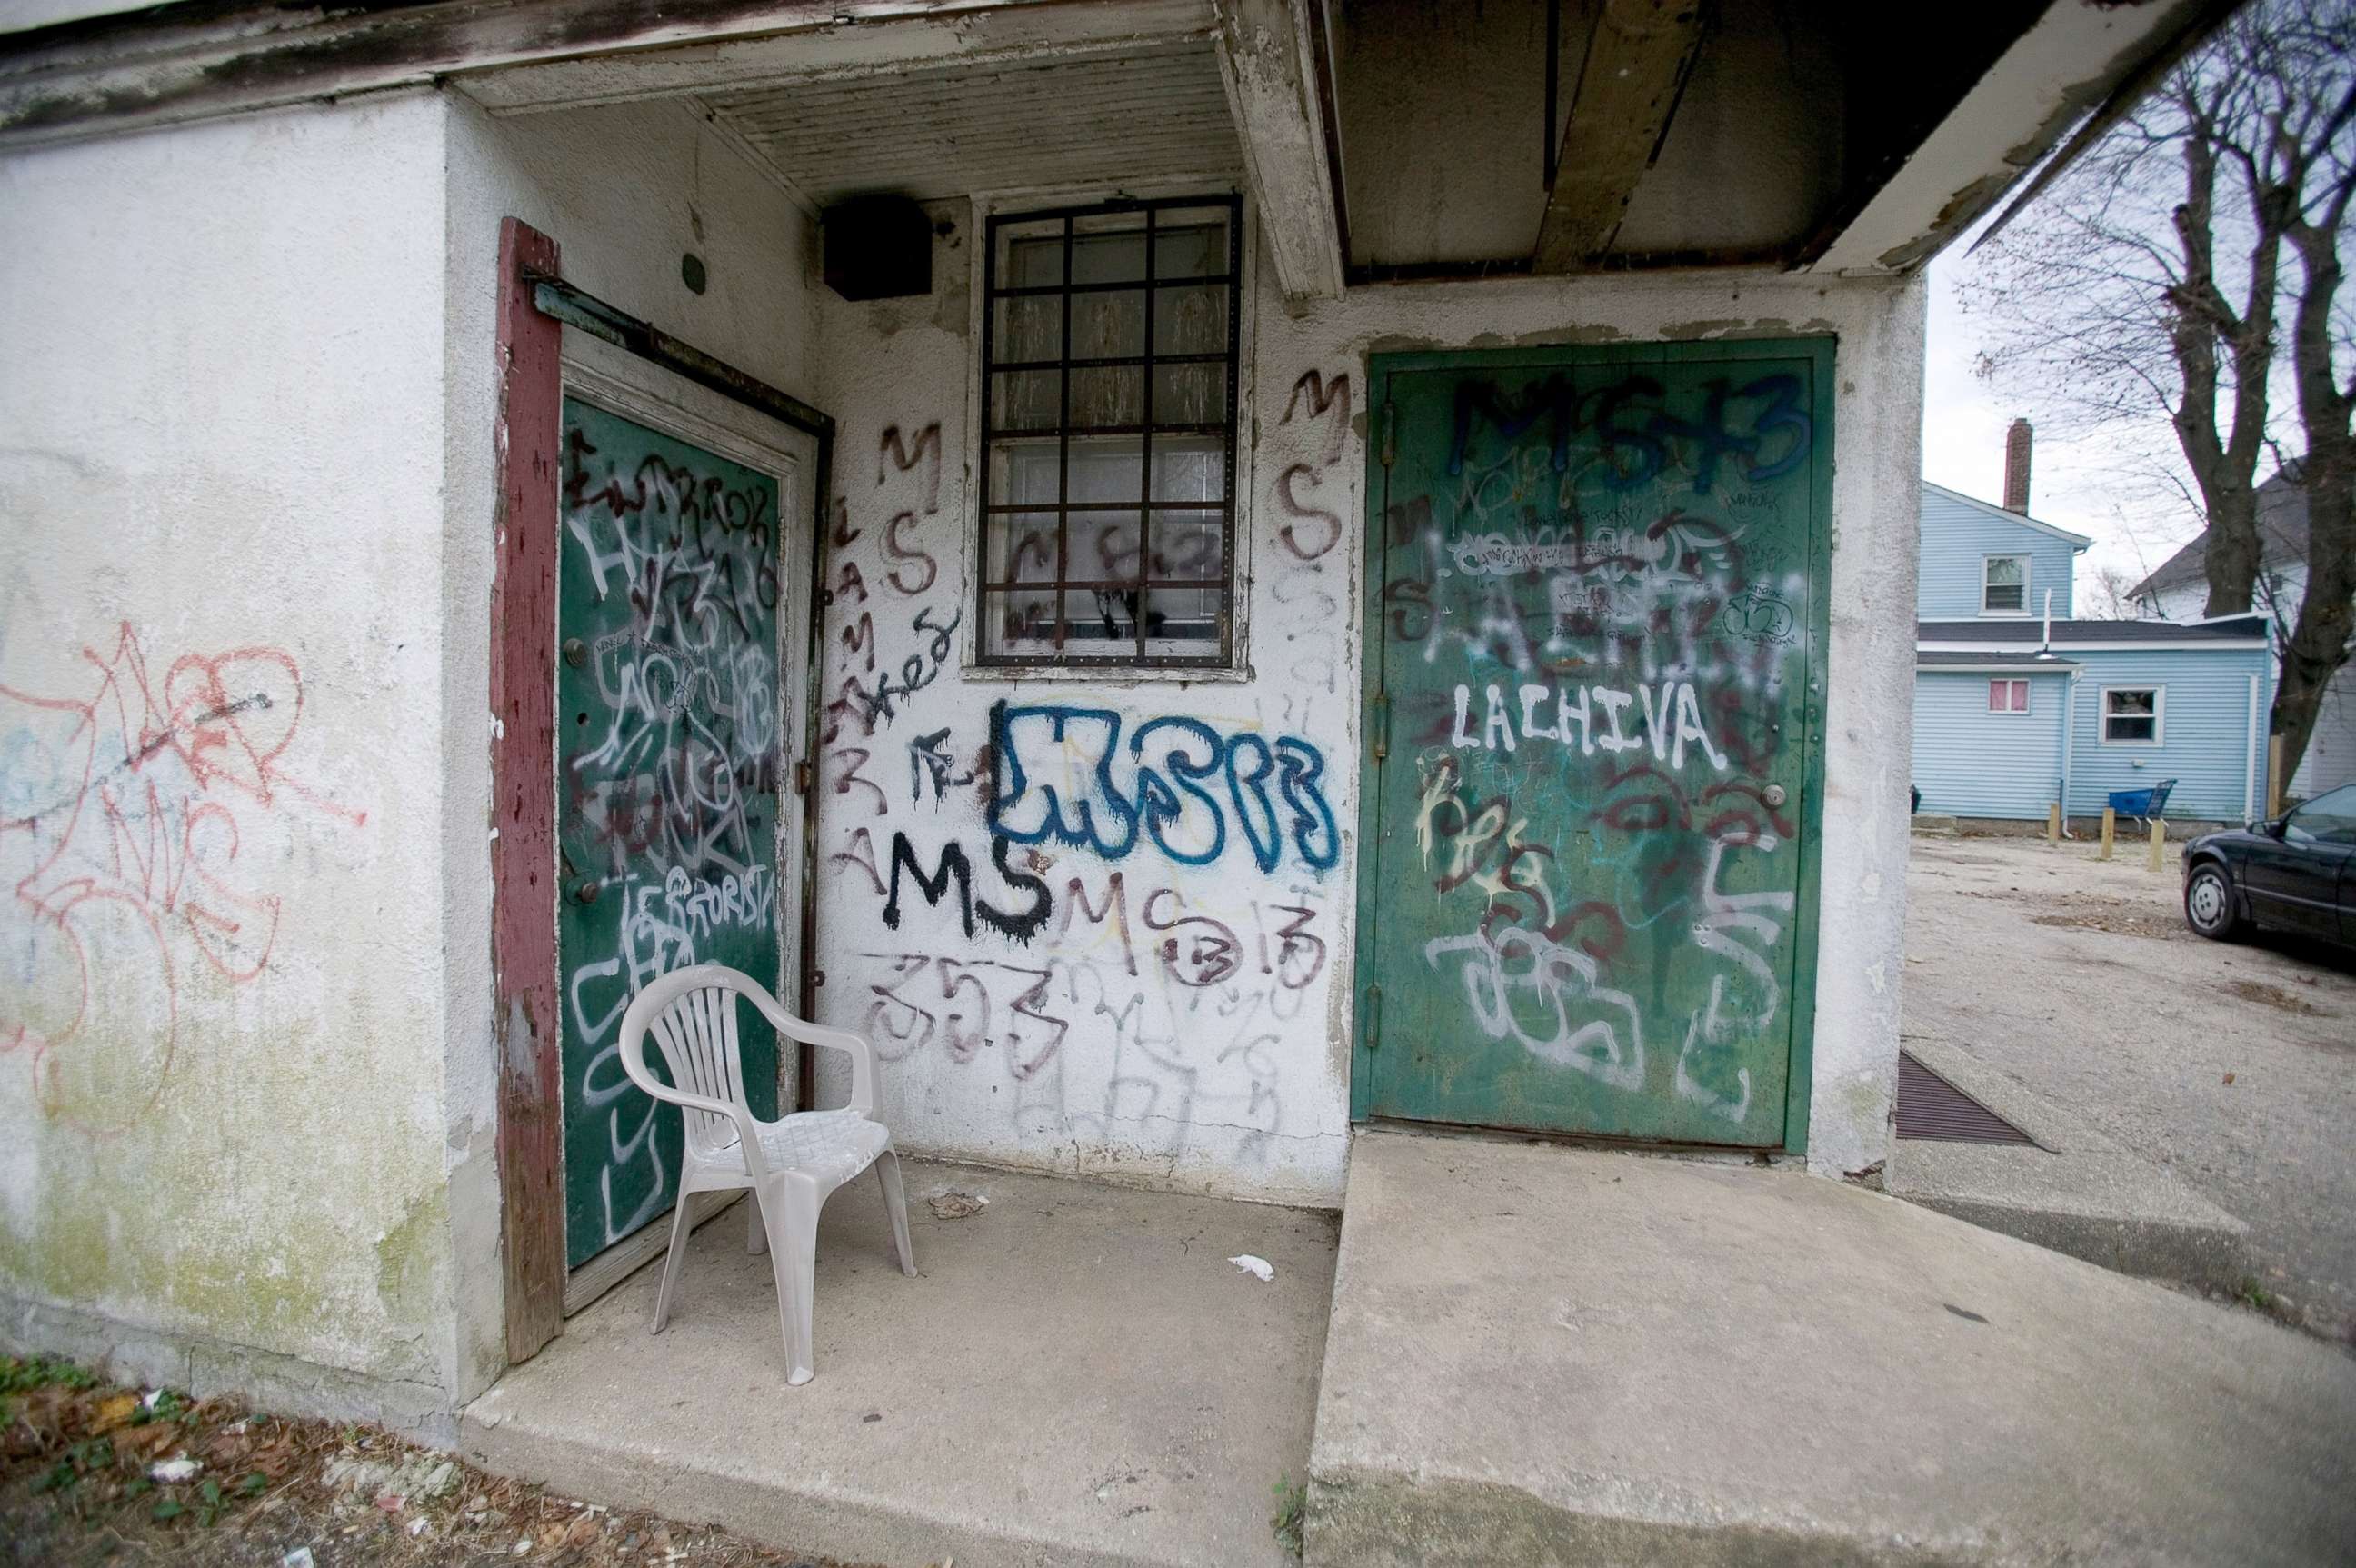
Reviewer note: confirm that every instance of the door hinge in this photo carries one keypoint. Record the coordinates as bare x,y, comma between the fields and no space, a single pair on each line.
1378,725
801,775
1390,434
1373,1016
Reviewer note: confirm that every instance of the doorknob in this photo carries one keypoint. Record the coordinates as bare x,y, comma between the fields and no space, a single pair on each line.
1772,794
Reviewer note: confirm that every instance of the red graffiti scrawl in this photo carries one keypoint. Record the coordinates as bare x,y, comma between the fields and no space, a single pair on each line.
122,813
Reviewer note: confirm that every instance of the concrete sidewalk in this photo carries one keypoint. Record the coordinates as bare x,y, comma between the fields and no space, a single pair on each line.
1540,1355
1077,1377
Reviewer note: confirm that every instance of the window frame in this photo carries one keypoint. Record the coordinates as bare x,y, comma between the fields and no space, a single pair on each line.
2159,714
1229,663
2027,563
2008,682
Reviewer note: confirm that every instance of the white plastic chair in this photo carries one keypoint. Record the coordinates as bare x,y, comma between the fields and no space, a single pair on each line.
791,1164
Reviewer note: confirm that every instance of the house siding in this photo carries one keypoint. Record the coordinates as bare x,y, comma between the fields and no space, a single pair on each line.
1959,535
2204,729
1970,762
2331,759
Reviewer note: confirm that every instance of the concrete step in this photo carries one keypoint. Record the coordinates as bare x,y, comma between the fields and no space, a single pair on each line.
2075,1191
1546,1356
1936,827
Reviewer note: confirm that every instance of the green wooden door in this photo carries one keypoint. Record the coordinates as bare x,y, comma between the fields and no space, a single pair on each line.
668,716
1594,629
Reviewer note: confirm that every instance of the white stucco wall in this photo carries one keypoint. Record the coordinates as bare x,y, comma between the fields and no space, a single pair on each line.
221,1155
1086,1048
248,1109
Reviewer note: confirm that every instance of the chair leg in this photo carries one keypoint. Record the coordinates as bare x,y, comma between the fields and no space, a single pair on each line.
792,1259
756,1233
672,1264
895,1203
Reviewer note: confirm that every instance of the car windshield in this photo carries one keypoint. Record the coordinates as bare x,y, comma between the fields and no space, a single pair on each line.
2328,818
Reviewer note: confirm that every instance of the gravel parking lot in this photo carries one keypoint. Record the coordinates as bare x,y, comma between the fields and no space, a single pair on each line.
2232,1065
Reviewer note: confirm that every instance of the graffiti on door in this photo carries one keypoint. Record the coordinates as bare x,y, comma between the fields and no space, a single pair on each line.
670,729
1597,588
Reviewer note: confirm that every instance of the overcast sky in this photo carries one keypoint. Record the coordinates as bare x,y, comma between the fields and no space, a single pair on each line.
2071,486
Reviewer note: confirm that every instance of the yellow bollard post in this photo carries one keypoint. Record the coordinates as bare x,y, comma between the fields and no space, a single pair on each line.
2110,832
2053,822
2158,844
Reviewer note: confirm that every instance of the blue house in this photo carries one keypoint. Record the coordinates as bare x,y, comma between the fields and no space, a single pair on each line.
2018,704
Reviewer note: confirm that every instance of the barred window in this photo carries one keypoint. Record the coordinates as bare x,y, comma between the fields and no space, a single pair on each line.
1108,434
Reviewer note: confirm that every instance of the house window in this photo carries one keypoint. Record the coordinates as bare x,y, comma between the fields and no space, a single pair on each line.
2004,585
1108,434
2007,696
2132,714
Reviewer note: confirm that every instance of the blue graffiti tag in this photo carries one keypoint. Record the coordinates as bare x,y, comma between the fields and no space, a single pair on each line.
1189,780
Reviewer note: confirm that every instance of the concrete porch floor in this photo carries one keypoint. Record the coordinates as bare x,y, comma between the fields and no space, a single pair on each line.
1531,1354
1555,1357
1076,1377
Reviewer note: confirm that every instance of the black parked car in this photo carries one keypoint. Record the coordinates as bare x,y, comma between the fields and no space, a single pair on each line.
2296,874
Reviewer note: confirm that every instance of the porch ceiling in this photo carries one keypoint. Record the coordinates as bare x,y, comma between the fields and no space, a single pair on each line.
1381,138
1153,115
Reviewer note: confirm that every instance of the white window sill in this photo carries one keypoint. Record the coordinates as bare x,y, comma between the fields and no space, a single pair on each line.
1110,674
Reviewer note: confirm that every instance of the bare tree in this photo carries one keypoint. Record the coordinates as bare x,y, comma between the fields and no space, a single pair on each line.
2109,595
2152,282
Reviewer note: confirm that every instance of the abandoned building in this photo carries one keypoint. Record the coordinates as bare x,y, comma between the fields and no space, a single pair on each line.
1207,574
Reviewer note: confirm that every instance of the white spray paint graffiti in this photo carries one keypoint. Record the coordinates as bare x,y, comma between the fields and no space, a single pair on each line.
670,752
1723,914
1586,1018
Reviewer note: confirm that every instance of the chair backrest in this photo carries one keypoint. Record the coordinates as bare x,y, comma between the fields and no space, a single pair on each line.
691,1014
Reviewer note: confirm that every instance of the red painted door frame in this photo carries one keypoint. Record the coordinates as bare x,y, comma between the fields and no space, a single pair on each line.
525,1023
524,1020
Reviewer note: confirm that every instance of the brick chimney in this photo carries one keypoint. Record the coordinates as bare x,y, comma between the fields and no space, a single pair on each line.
2016,468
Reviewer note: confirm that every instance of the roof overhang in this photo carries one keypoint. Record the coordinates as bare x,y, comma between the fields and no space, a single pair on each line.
2080,61
1737,133
2001,667
2172,645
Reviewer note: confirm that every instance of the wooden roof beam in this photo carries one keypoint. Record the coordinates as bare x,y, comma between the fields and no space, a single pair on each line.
1636,65
1268,56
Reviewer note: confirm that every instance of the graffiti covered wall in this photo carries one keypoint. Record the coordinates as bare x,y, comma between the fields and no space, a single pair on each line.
1089,923
220,1070
1103,922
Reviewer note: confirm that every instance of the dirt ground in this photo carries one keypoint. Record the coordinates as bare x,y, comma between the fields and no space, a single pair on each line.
2232,1064
92,1474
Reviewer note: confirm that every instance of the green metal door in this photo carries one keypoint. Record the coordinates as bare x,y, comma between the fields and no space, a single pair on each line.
1595,613
669,713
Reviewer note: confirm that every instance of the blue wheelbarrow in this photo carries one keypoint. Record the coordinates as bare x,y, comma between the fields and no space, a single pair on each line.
2143,804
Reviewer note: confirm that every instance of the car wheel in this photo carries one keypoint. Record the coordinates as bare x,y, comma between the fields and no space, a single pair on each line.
2209,904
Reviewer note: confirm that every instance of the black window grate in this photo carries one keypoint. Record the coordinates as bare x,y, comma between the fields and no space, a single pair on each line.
1173,608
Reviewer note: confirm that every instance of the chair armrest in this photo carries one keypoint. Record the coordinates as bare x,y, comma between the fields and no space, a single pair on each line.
856,1047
